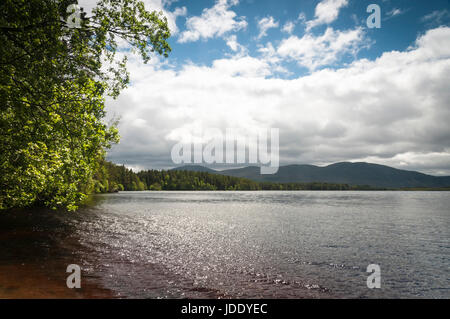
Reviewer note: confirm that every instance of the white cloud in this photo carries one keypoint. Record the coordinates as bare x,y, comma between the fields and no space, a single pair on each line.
213,22
288,27
234,45
270,56
437,17
265,24
326,12
269,52
313,52
301,17
394,12
393,110
241,66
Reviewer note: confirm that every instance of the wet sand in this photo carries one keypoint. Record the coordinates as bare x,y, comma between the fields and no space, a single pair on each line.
27,281
34,259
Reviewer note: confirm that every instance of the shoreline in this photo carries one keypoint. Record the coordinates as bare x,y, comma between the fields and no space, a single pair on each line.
35,257
31,281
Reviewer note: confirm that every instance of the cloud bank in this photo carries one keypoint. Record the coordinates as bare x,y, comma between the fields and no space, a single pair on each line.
393,110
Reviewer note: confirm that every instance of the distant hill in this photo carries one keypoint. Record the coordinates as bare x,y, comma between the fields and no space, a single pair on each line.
195,168
340,173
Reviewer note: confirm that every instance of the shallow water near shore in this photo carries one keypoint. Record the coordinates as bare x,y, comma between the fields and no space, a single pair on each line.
234,244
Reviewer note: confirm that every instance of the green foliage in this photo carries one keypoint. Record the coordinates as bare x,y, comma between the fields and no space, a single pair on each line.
155,187
114,178
53,82
192,180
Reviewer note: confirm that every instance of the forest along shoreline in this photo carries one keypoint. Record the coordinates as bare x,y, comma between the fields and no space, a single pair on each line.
111,178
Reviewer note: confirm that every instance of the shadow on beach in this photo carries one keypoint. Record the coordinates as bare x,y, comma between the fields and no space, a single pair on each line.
36,246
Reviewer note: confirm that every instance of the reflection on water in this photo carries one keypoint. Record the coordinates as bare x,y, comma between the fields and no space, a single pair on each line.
243,244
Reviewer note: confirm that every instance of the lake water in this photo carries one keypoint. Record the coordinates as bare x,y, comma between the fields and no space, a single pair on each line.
260,244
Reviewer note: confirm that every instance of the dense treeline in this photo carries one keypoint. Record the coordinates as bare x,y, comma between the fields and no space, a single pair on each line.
188,180
113,178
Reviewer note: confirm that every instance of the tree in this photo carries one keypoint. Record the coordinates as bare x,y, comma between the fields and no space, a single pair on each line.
155,187
53,83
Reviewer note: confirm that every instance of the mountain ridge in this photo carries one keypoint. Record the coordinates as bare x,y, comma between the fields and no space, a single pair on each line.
352,173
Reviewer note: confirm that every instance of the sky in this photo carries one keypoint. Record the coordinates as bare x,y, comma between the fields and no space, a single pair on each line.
336,89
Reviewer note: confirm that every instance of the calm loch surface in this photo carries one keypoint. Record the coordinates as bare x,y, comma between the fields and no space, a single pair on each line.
244,244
